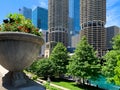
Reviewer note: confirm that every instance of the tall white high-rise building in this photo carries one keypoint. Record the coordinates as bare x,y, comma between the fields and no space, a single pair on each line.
57,23
92,22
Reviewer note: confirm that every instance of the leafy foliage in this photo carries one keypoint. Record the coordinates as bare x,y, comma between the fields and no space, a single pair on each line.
116,77
43,67
17,22
111,67
59,57
116,42
56,65
84,63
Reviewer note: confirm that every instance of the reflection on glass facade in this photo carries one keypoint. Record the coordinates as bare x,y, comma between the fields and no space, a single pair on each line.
77,15
40,18
26,12
74,12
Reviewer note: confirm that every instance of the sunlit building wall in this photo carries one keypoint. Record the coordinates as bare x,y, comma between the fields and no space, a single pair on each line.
92,22
57,23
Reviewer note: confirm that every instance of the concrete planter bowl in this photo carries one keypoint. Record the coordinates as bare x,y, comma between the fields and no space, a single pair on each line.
17,51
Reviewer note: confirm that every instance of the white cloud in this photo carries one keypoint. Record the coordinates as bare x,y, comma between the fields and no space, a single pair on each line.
43,3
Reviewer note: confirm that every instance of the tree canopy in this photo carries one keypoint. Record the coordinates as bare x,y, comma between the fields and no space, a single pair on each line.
43,67
116,77
84,63
110,63
111,67
59,57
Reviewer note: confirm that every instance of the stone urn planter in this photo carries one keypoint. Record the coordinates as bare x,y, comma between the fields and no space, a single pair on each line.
17,51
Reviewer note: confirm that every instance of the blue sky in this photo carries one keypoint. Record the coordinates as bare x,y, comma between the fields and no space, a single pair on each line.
12,6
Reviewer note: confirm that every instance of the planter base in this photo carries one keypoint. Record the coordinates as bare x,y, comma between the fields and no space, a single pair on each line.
14,79
19,81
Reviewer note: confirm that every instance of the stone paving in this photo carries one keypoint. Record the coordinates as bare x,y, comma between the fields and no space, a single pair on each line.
3,71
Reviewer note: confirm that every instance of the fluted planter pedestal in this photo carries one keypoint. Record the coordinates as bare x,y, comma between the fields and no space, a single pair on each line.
14,79
18,51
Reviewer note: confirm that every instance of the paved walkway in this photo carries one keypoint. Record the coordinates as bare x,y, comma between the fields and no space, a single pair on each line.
3,71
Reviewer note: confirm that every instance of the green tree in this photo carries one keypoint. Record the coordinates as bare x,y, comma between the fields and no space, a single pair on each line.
33,67
111,67
116,77
84,63
43,67
116,42
59,57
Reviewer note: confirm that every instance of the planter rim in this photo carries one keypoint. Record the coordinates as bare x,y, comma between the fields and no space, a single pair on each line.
21,36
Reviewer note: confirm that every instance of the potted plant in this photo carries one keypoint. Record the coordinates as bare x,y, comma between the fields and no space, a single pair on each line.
20,43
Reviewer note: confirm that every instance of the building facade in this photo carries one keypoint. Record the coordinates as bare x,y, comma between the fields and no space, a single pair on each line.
110,33
75,40
57,23
92,22
40,18
26,12
74,14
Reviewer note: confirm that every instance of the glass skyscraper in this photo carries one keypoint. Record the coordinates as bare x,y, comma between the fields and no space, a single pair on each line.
27,12
40,18
74,13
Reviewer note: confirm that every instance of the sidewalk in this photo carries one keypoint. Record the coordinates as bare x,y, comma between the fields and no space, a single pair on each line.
3,71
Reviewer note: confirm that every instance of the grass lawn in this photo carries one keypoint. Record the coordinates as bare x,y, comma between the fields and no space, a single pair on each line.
65,83
72,85
48,87
69,85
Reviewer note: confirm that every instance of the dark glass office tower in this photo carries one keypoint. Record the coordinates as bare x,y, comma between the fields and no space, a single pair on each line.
74,13
40,18
27,12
